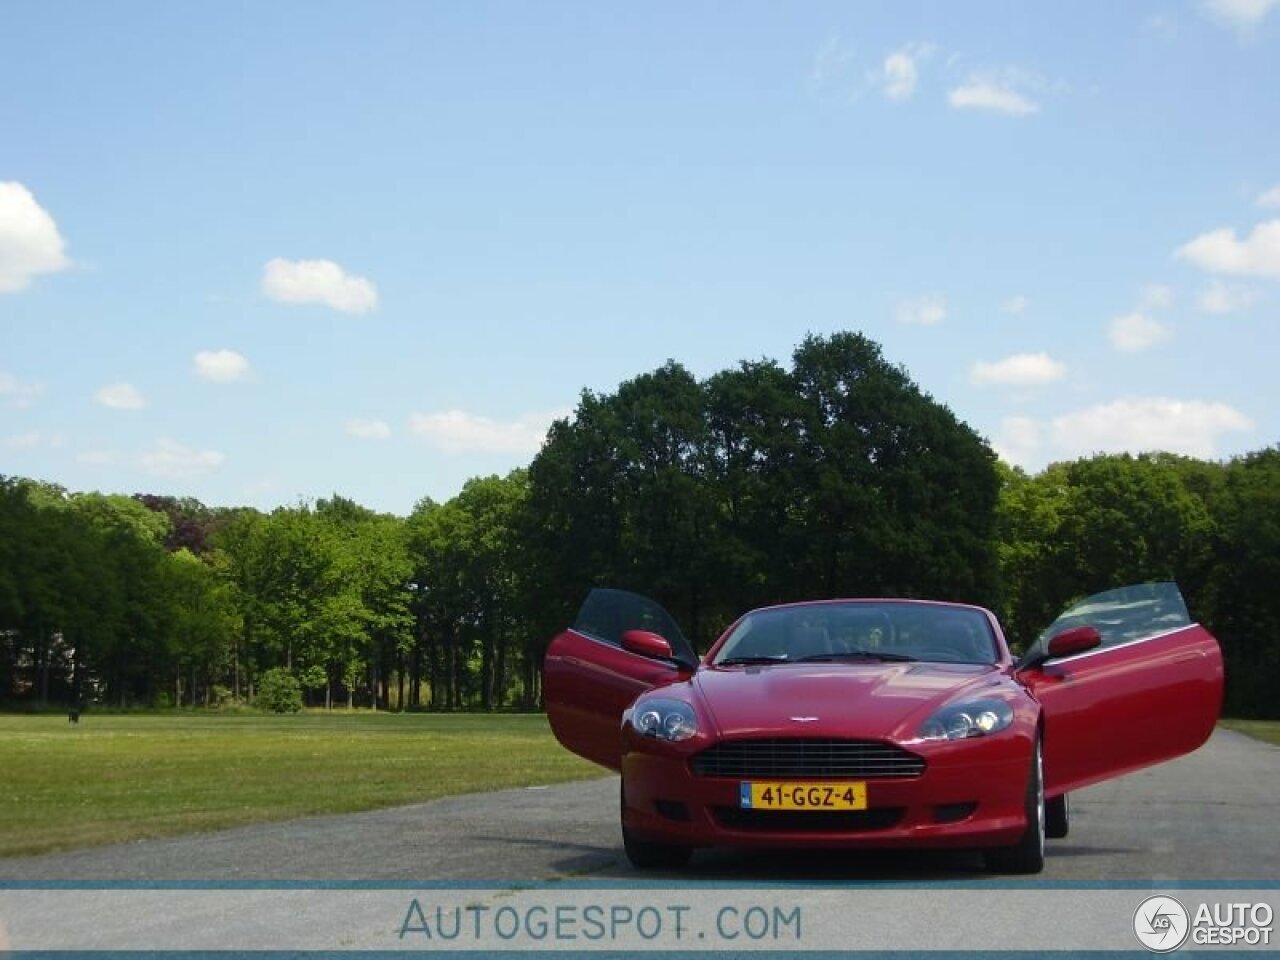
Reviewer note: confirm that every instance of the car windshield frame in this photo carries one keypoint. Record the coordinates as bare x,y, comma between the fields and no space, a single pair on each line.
860,632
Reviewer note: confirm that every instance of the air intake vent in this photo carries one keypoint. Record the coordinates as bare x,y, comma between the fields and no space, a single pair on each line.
786,757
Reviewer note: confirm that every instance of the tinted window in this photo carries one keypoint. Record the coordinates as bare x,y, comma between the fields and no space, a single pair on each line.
1128,613
929,632
607,614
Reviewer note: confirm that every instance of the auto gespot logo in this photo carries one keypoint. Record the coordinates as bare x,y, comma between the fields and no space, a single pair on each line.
1162,924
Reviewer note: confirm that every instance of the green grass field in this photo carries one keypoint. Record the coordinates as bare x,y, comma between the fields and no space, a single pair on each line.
125,777
1268,730
118,777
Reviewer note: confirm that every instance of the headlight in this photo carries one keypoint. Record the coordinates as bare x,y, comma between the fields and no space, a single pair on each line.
665,719
969,718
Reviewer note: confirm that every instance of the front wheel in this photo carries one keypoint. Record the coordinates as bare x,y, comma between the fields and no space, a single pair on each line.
1057,817
646,855
1027,855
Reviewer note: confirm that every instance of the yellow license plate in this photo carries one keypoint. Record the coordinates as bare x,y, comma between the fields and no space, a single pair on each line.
803,796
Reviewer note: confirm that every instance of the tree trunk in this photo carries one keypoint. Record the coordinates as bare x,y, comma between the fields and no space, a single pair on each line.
486,668
457,685
77,677
42,666
415,676
235,660
500,674
434,672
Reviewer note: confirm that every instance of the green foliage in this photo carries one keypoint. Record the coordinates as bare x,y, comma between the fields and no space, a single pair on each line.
467,597
1082,527
279,692
1240,600
220,696
1090,524
838,477
834,476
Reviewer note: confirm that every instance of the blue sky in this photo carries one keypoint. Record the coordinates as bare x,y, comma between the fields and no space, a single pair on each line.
257,252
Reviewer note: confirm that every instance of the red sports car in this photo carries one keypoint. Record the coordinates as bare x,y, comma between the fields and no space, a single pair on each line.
876,723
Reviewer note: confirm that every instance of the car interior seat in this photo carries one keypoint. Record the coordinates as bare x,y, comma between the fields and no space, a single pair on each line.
957,639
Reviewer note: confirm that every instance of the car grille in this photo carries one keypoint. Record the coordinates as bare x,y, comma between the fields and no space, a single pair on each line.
787,757
802,821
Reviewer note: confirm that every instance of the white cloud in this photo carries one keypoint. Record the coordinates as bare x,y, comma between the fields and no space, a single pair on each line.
1155,296
900,76
1241,14
1018,440
1270,198
925,310
169,459
981,92
1137,424
1220,298
33,439
456,431
19,393
121,396
368,429
900,71
1021,369
318,281
30,243
1218,251
831,65
1137,331
24,441
220,366
1016,305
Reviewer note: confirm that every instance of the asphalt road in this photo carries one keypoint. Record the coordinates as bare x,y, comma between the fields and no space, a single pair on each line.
1208,816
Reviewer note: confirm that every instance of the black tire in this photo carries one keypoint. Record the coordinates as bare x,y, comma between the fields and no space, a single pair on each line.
1057,817
645,855
1027,855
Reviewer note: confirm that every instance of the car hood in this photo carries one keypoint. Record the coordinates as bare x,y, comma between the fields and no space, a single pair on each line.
836,699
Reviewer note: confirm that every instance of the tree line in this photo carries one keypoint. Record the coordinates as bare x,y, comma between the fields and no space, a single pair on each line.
833,476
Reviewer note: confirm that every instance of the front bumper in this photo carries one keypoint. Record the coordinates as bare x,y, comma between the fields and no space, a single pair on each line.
972,793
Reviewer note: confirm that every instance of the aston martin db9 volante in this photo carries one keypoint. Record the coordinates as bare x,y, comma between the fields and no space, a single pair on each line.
876,723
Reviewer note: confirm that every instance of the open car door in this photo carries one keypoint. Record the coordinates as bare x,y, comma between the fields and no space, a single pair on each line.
1150,690
589,677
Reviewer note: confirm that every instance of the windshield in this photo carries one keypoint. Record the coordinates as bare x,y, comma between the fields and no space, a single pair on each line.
861,630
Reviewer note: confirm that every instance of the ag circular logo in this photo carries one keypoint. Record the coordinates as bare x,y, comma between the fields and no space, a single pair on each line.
1161,924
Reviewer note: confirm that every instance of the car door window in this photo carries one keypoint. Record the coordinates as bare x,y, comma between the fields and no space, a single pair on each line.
607,613
1124,615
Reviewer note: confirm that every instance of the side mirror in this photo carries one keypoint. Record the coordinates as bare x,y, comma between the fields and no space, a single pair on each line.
1075,640
646,643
